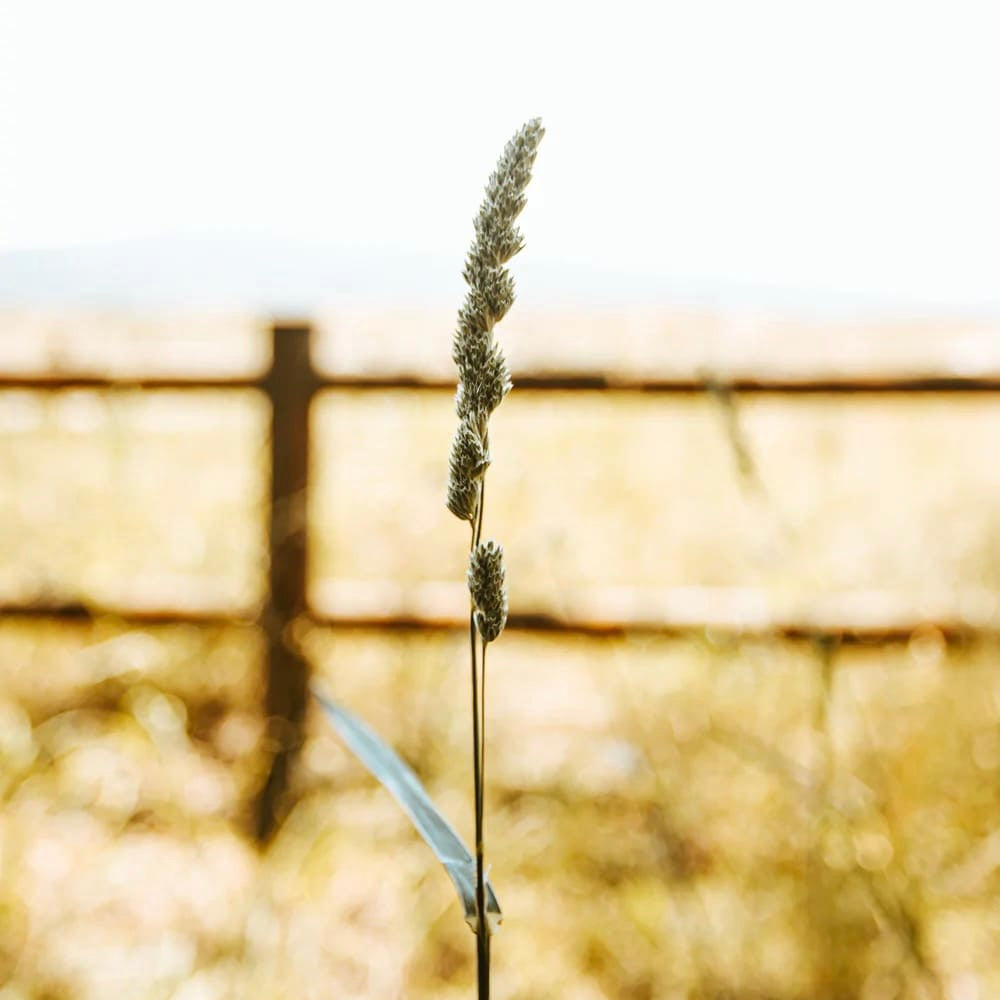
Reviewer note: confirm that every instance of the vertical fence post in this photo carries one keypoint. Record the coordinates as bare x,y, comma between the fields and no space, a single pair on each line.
290,385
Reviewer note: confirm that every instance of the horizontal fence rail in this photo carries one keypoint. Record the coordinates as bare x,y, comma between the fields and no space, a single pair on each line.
528,382
845,632
290,384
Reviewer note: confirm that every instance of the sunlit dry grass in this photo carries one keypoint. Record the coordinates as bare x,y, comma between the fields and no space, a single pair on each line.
671,817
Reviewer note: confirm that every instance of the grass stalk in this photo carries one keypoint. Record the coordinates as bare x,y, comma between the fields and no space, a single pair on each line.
482,934
484,380
478,675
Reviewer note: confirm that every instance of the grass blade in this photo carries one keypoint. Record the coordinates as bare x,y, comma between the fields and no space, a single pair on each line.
396,775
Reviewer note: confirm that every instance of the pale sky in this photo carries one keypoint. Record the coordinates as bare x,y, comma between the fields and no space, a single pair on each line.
843,146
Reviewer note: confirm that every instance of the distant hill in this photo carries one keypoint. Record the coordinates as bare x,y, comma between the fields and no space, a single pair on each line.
273,274
254,273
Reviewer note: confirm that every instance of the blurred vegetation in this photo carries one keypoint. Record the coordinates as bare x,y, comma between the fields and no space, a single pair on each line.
709,817
669,818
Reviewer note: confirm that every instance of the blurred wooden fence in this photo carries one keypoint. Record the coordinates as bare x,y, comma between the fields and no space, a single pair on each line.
291,382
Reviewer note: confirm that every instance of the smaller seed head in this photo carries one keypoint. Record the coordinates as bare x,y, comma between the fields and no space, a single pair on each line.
497,292
484,378
473,324
487,587
466,465
513,171
496,242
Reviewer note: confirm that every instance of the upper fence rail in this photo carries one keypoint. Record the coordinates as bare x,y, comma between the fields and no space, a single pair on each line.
526,381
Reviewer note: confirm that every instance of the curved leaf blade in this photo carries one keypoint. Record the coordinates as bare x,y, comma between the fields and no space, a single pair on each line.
405,787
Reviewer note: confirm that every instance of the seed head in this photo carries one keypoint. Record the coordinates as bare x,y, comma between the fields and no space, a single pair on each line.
507,183
486,585
484,378
466,465
497,238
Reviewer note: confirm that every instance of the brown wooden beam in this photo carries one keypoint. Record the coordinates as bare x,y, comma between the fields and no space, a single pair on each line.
952,631
110,383
290,385
595,382
130,616
531,382
841,633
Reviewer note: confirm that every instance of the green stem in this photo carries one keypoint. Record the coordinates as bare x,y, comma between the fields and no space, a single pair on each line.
480,855
482,942
477,532
478,774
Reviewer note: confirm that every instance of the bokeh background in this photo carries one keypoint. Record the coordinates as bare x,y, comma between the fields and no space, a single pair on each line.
744,731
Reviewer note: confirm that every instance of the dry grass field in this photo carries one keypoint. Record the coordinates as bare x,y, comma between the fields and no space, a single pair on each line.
715,813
